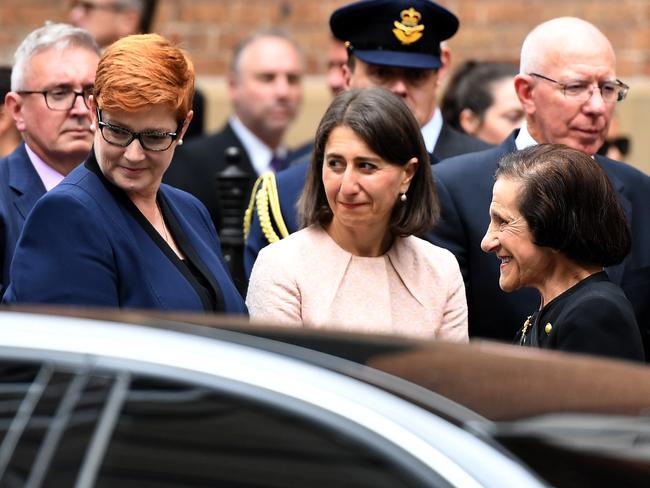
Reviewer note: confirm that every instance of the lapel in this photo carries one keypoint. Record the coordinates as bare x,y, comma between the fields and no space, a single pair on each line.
333,262
405,259
193,247
24,181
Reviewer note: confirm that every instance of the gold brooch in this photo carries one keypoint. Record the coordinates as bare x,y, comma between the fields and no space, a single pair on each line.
409,29
524,330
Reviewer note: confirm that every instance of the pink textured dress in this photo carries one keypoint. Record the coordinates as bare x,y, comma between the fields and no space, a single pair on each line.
413,290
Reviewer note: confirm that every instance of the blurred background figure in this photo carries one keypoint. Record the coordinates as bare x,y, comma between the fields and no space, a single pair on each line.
9,135
337,58
356,264
51,83
555,224
109,20
111,235
617,145
480,100
265,91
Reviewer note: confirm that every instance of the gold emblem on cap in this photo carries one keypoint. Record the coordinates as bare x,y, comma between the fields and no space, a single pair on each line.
409,30
548,328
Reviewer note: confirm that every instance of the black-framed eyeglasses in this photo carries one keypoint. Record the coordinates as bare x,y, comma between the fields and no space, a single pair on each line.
61,98
149,140
580,90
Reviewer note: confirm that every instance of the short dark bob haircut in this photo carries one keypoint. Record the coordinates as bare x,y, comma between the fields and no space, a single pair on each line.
387,126
569,203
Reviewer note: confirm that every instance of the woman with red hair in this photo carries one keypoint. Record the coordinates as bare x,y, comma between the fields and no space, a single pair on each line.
111,234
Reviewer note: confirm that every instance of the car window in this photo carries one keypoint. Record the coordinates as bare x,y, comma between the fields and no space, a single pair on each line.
61,426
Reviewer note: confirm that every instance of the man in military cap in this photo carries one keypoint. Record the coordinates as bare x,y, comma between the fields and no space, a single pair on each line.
393,44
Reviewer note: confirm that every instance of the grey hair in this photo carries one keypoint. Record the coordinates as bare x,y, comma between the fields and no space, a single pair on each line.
51,36
271,32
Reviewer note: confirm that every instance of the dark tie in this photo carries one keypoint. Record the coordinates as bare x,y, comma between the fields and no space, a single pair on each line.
277,163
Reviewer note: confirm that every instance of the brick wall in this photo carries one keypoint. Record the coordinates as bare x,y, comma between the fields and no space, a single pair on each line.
490,29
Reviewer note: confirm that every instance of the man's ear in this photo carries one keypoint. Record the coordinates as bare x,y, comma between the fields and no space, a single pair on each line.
347,76
445,59
469,121
524,86
14,105
232,84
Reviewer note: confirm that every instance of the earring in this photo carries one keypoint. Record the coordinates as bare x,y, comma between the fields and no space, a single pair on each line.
402,198
180,142
92,127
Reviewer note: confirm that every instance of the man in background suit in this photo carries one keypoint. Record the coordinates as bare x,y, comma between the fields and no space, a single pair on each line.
395,44
568,88
52,78
265,91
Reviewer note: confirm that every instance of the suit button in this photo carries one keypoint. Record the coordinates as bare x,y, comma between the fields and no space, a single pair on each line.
548,328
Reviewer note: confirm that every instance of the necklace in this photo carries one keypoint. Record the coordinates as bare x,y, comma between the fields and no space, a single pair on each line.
164,227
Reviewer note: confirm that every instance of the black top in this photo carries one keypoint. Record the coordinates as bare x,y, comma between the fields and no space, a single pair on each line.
592,317
190,267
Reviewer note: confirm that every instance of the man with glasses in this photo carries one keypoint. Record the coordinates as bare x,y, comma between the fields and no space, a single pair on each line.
568,88
51,81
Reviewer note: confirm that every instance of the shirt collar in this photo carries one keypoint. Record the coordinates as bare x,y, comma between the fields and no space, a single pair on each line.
48,175
524,139
431,130
259,153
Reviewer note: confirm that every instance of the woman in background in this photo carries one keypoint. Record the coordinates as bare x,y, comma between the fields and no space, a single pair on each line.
480,100
555,223
110,234
357,264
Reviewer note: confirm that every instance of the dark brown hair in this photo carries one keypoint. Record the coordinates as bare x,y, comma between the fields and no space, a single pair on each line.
569,203
387,126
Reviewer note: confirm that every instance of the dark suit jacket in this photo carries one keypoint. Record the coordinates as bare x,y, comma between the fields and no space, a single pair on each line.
291,181
80,245
20,188
592,317
195,167
464,186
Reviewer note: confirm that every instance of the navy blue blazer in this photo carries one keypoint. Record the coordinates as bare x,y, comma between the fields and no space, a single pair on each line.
464,186
291,181
20,188
82,246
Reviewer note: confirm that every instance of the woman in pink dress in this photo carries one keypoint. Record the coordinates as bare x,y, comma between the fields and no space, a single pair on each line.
357,265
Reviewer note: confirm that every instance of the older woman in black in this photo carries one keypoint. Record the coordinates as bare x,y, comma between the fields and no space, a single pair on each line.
555,223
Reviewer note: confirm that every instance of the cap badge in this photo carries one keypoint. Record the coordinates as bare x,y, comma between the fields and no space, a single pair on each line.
409,30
